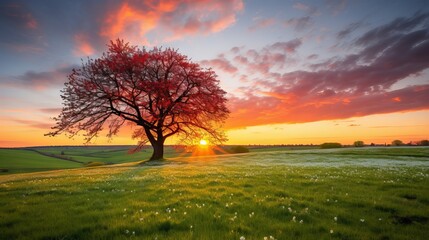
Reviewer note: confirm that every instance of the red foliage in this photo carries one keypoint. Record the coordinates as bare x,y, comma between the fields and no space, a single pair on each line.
160,90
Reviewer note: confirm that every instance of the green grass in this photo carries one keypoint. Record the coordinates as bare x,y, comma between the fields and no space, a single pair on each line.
117,154
255,195
28,161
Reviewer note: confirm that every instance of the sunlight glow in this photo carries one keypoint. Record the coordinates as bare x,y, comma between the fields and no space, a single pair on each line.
203,142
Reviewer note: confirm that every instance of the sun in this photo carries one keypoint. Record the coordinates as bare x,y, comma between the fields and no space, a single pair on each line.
203,142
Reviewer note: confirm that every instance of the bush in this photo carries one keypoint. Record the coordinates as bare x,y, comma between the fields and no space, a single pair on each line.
424,142
94,164
238,149
358,144
397,143
330,145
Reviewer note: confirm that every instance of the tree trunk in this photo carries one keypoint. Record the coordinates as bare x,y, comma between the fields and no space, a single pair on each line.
158,150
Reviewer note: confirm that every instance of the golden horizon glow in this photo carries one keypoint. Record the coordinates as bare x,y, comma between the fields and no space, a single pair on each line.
379,129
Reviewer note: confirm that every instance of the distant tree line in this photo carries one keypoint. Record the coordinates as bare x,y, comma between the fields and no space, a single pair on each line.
360,143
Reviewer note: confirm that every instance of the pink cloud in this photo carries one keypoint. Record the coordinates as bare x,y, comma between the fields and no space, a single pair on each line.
220,64
289,47
83,46
254,61
299,24
169,20
38,80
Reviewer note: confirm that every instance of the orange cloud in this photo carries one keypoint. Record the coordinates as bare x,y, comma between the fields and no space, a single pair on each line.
168,20
270,108
83,47
131,22
396,99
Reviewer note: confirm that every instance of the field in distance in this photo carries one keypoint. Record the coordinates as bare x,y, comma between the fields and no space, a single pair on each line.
368,193
34,159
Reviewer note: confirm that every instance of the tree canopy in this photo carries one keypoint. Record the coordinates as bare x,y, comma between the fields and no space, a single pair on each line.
159,91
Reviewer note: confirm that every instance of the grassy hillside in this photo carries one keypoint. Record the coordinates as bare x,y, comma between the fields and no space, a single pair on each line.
310,194
49,158
28,161
106,154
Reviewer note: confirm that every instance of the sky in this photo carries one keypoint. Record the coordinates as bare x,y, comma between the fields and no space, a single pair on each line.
296,72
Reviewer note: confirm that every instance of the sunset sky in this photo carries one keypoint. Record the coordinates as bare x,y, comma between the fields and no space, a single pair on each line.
295,71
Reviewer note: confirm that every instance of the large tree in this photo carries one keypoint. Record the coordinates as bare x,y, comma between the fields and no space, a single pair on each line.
159,91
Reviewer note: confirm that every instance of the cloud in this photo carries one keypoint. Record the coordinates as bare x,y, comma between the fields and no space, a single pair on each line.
169,20
335,6
289,46
220,63
255,61
393,28
310,10
34,124
299,24
50,110
83,46
292,108
18,16
262,23
357,84
39,80
312,56
348,30
20,28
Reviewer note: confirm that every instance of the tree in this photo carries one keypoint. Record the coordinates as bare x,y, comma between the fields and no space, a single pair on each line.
160,92
397,143
330,145
358,144
424,142
238,149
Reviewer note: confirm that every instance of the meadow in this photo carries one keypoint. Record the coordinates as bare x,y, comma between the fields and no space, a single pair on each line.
350,193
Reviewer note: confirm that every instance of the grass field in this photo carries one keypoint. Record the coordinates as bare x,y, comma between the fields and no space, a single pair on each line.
17,160
32,159
366,193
